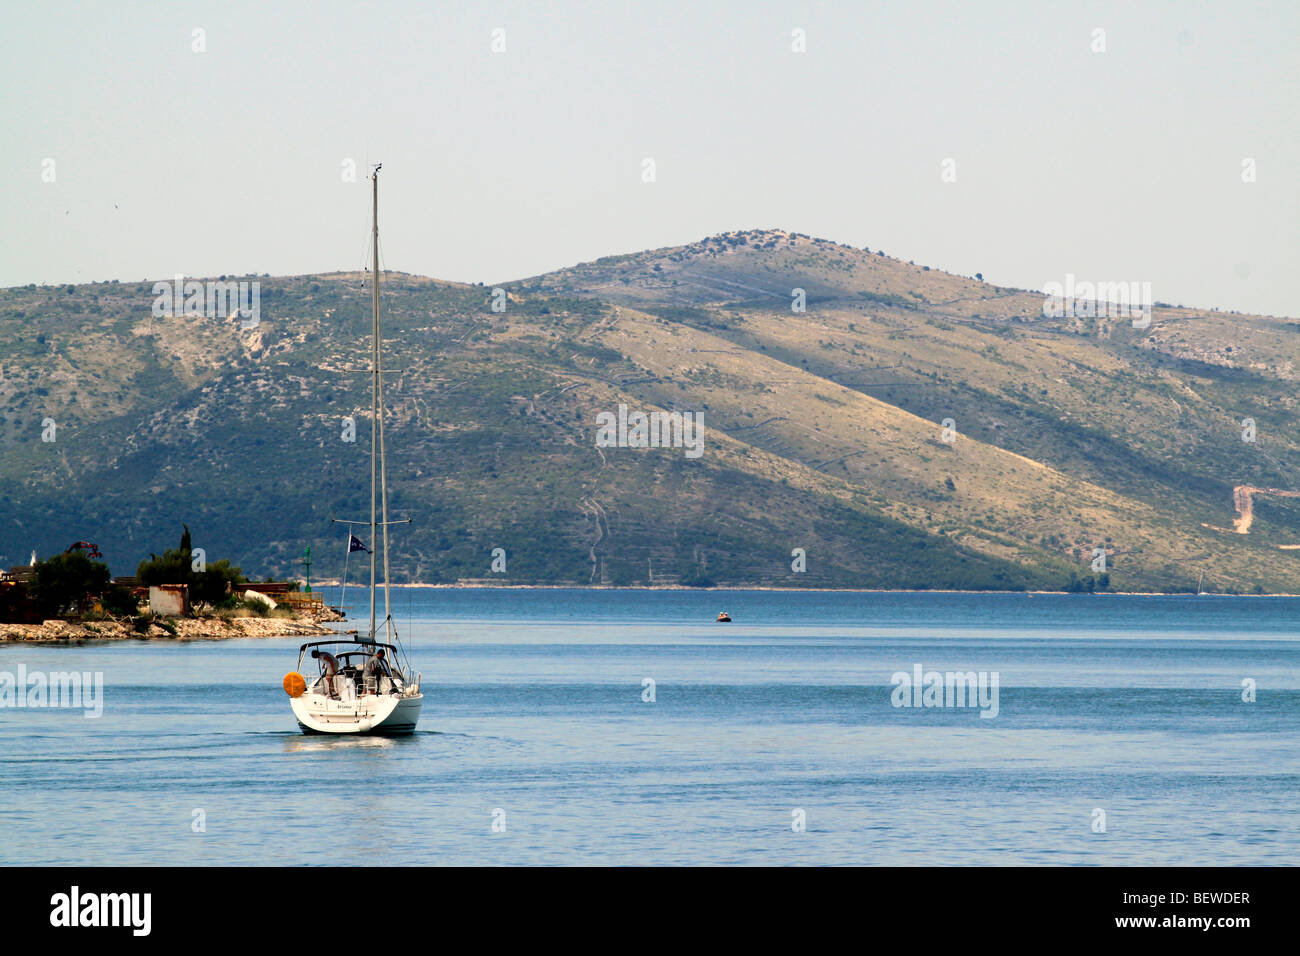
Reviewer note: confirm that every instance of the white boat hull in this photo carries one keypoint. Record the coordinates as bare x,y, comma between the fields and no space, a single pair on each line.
369,714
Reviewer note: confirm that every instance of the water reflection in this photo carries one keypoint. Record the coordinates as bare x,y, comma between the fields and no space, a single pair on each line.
325,743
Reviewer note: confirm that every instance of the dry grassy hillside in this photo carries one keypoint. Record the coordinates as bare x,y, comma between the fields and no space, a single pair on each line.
824,428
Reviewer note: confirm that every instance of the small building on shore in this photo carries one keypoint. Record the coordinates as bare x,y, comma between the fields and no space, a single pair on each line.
169,600
19,574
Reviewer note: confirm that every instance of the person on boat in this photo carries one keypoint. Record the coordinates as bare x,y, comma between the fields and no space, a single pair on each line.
376,667
329,669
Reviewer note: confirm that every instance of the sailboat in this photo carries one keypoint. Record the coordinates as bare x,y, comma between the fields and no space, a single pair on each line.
363,685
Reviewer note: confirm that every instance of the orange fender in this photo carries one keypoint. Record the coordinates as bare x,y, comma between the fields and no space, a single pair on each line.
295,685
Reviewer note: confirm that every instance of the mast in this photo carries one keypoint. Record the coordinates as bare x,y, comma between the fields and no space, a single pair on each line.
378,461
379,400
374,384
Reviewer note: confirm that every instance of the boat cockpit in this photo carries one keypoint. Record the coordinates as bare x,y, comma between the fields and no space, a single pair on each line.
349,671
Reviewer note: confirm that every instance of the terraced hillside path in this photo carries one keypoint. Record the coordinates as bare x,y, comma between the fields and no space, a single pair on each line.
1243,499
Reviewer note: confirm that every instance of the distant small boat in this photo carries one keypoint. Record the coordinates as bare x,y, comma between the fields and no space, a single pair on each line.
1200,590
724,617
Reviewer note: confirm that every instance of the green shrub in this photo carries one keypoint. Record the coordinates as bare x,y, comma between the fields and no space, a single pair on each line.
175,566
65,581
119,601
212,585
256,607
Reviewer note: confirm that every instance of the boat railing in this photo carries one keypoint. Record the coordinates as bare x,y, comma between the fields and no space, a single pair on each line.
345,687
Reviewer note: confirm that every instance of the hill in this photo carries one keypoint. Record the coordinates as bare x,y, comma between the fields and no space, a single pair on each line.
822,428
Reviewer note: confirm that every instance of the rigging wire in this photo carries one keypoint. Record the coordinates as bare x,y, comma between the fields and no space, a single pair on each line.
343,595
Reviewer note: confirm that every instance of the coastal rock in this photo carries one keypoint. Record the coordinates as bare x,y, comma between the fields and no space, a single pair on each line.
187,629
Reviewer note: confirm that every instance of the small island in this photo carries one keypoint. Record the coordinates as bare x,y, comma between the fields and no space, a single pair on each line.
72,597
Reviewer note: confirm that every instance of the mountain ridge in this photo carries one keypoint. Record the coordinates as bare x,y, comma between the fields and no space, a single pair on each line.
824,428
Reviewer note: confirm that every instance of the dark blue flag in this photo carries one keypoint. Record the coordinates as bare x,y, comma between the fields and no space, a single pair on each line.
354,544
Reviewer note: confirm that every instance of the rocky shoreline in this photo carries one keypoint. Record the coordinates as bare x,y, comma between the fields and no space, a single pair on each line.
187,629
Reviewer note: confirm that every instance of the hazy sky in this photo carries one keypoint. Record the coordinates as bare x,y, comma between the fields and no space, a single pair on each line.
1123,165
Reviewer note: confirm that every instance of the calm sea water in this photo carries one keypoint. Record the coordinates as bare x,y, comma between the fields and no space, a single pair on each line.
534,712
